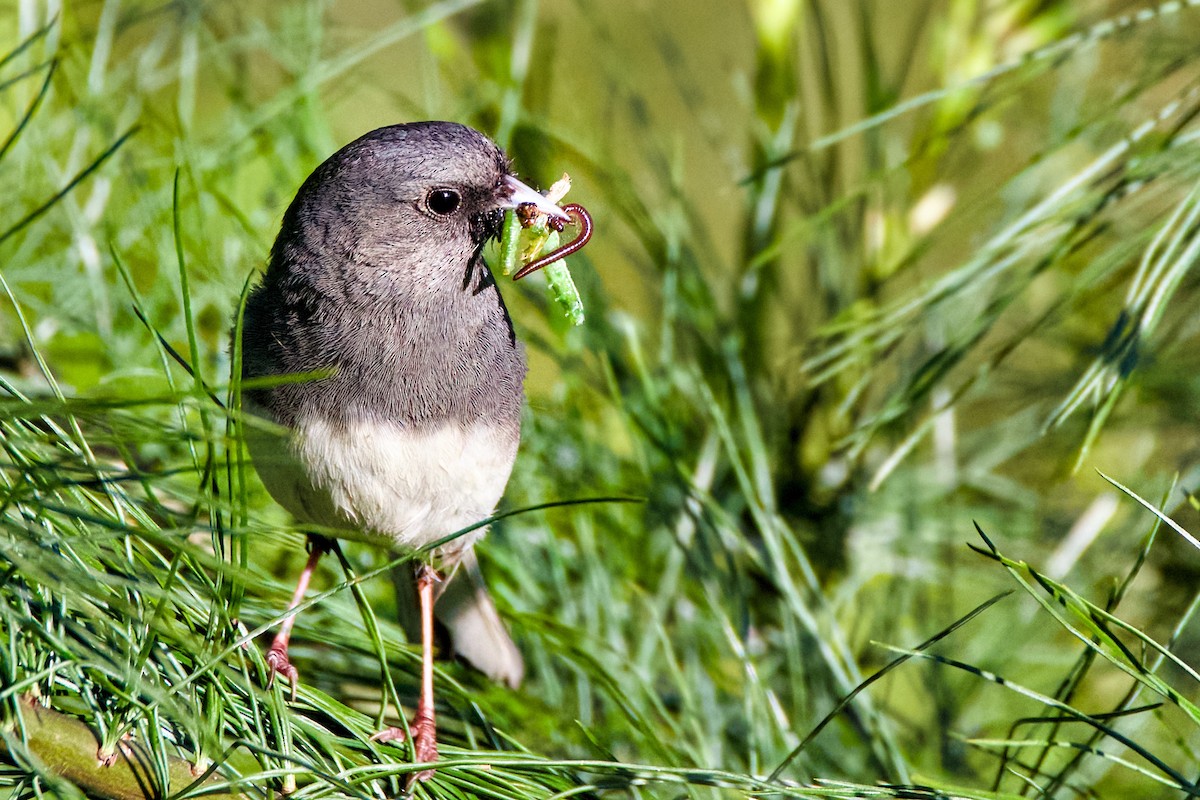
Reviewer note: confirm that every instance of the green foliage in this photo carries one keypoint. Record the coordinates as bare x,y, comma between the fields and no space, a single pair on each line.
862,273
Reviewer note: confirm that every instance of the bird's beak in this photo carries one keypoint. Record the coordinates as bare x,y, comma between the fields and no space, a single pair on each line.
514,193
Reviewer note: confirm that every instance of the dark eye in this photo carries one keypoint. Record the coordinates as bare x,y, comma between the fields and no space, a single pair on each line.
443,201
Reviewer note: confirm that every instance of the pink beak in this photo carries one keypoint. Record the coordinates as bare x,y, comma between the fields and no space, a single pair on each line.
519,194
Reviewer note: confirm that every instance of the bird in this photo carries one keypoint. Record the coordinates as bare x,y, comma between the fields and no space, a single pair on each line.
400,421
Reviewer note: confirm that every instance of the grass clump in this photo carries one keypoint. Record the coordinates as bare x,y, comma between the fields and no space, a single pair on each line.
905,272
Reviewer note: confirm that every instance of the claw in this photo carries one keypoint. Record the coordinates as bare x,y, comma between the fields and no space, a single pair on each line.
424,741
278,664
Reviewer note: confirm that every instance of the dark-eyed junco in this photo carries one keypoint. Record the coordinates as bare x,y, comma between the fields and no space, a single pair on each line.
378,286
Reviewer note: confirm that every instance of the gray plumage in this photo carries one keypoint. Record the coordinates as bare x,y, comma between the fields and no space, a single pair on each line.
399,301
411,431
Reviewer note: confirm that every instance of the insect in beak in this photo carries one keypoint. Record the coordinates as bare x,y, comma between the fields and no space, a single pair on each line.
571,212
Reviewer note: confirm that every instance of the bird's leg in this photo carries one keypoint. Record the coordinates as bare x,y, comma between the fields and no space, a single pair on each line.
277,655
424,725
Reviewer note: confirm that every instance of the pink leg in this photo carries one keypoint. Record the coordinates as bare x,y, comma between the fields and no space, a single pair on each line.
424,724
277,655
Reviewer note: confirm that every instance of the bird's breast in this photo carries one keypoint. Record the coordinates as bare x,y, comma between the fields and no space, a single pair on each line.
385,483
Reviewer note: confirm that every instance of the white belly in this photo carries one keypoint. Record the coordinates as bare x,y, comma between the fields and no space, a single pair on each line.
386,484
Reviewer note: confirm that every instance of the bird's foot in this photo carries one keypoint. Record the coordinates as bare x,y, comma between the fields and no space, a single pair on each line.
278,664
424,741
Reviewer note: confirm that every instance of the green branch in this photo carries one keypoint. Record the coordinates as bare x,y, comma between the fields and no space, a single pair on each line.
68,748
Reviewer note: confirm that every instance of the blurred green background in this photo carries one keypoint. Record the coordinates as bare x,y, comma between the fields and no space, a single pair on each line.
866,275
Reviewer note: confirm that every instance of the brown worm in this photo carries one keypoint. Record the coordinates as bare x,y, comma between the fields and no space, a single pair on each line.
581,217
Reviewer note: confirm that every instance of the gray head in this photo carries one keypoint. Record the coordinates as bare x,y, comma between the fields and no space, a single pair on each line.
378,275
373,208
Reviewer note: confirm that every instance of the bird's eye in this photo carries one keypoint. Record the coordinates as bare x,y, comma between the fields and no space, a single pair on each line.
443,201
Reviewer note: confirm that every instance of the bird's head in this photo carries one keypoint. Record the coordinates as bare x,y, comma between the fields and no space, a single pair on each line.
416,200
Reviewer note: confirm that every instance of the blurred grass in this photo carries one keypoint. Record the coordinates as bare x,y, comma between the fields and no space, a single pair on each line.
864,274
